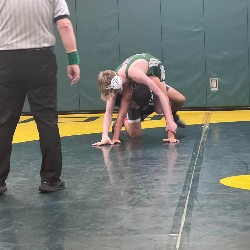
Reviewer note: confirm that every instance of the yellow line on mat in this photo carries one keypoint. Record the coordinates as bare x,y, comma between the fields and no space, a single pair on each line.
80,124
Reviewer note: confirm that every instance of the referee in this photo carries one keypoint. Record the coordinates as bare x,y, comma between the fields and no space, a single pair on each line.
28,67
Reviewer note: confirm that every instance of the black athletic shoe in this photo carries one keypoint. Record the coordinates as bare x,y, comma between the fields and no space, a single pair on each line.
3,189
178,121
47,187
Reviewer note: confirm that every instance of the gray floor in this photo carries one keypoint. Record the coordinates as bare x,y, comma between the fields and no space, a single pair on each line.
141,195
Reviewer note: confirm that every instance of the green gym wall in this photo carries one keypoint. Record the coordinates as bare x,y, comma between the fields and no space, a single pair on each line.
197,40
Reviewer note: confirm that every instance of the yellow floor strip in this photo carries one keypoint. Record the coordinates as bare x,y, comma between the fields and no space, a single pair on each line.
80,124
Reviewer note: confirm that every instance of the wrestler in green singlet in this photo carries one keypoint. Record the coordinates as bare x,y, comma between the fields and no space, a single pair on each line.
155,66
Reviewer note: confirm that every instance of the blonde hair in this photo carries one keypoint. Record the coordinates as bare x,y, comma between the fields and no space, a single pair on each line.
104,80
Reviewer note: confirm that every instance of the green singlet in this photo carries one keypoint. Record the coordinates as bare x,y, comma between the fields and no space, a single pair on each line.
155,66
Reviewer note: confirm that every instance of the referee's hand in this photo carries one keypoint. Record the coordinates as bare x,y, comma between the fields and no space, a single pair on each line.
73,72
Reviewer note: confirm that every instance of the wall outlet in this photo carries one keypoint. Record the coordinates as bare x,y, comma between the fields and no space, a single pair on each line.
214,84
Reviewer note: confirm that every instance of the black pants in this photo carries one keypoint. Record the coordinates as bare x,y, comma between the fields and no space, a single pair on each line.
31,73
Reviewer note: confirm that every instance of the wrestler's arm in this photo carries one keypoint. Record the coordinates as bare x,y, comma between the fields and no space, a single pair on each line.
125,102
107,122
137,72
139,76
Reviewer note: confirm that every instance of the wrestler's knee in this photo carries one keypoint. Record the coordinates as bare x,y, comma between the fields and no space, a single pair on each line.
135,134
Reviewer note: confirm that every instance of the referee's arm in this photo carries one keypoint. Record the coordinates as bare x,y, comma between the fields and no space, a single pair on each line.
67,35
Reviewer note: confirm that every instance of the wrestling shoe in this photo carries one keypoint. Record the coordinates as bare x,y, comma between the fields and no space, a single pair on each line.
3,189
178,121
47,187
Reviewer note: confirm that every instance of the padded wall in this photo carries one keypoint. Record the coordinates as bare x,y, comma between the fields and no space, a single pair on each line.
226,48
139,27
192,38
68,96
98,42
196,39
183,48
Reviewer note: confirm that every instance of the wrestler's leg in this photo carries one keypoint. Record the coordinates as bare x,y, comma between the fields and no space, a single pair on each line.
176,100
133,123
156,100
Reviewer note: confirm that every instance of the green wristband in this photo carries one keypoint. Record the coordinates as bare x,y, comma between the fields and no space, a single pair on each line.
73,58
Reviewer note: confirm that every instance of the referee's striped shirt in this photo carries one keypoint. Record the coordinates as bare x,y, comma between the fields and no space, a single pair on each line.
26,24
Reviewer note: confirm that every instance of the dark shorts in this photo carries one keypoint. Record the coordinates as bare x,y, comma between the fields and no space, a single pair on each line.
134,115
143,97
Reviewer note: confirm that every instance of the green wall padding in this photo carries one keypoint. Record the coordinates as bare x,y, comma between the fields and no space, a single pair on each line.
68,96
196,40
226,48
183,48
97,34
139,28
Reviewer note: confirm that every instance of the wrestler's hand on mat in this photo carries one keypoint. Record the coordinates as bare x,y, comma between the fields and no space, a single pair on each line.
171,138
115,141
103,142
